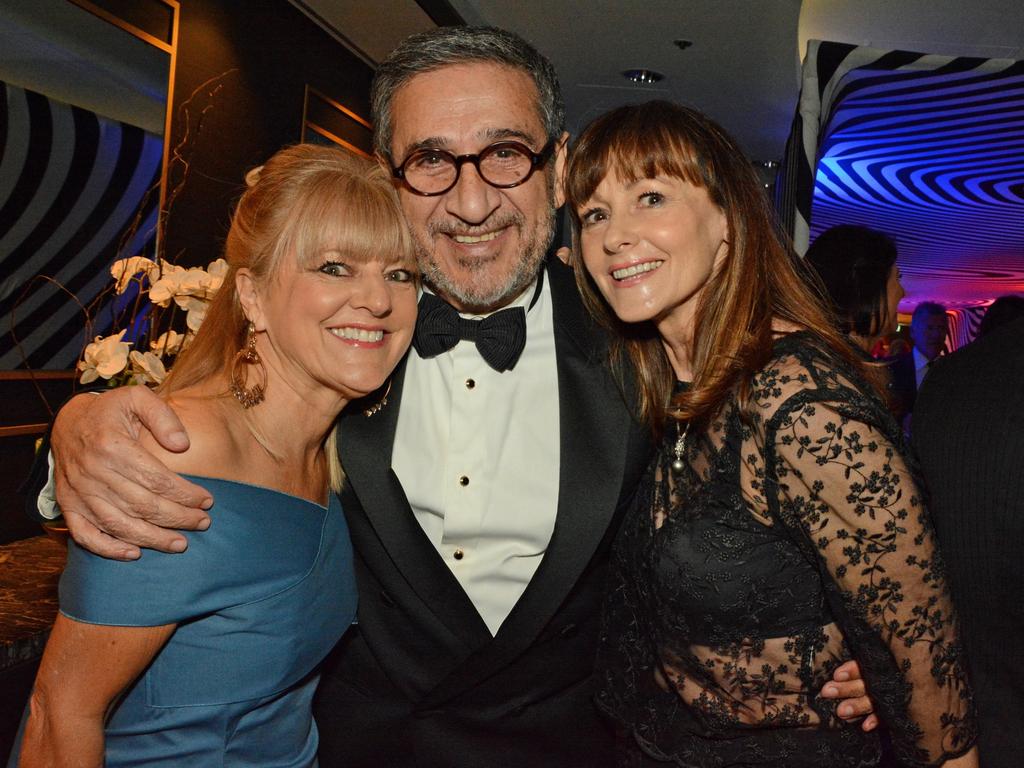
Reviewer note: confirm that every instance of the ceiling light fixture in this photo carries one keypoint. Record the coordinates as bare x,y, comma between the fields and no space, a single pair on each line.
643,76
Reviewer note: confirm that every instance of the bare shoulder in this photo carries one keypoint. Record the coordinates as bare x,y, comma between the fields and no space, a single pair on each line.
211,439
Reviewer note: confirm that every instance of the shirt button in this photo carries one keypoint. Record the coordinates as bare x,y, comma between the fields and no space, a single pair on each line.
463,480
470,383
458,554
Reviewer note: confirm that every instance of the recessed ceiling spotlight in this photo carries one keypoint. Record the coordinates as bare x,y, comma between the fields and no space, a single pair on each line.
643,76
681,44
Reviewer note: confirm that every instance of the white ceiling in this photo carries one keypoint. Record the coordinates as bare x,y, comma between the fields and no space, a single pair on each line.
743,66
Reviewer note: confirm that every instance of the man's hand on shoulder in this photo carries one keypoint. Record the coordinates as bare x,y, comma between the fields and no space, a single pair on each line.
116,496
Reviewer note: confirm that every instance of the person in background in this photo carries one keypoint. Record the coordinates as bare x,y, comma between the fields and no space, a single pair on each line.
929,327
779,529
209,657
483,499
857,266
1000,312
969,436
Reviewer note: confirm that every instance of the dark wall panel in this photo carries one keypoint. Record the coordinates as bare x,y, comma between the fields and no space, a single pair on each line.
255,60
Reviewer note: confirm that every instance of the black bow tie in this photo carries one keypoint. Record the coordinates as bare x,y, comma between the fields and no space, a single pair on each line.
499,337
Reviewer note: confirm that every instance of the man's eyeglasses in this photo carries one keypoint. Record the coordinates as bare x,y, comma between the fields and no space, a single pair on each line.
506,164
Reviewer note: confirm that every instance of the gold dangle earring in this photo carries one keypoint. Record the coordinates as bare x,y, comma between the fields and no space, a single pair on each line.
247,355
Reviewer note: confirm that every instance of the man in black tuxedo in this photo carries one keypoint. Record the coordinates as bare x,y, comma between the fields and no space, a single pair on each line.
483,497
969,435
482,542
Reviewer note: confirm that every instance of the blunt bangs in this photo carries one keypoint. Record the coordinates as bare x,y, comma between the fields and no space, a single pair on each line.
358,217
638,142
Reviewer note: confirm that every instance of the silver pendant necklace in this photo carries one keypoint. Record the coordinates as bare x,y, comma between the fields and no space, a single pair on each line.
677,451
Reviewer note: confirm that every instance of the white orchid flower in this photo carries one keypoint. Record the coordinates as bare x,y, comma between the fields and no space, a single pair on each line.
196,313
147,368
167,286
125,270
105,357
199,283
218,270
190,289
169,343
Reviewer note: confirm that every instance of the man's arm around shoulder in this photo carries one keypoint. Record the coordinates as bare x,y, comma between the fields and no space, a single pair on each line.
114,494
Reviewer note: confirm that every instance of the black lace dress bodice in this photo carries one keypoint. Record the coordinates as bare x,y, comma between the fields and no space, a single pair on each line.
793,539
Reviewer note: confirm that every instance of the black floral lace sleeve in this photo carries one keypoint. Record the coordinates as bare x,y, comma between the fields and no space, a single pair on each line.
848,495
792,539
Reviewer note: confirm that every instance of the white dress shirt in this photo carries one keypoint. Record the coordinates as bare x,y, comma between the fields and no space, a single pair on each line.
477,453
921,364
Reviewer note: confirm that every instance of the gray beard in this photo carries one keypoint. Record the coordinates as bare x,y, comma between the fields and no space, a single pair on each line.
474,298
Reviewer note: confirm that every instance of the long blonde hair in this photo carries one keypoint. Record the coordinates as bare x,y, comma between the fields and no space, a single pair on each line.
760,280
304,199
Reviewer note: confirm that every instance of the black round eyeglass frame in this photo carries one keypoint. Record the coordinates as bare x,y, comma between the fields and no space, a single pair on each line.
537,159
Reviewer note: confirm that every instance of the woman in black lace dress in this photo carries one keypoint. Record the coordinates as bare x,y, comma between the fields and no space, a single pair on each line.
780,530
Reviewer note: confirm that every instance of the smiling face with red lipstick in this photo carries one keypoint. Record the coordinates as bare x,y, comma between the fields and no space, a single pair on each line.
678,253
651,245
478,246
322,266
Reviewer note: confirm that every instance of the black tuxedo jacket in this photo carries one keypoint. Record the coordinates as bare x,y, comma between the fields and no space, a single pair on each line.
969,436
420,681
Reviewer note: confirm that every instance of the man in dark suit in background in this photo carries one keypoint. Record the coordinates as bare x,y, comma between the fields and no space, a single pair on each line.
969,435
928,329
482,502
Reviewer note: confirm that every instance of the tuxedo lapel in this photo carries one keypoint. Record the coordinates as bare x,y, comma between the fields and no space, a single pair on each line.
592,450
365,447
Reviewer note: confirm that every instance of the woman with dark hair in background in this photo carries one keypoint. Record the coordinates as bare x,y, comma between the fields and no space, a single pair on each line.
778,532
857,266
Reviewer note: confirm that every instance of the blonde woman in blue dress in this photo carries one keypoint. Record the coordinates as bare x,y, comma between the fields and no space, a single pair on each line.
209,657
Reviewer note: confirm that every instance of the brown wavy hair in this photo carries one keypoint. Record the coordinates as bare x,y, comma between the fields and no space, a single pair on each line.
760,282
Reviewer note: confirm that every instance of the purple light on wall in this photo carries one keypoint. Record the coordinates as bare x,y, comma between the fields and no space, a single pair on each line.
936,160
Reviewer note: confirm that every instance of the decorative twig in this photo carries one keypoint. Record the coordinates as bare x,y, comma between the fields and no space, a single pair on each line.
87,331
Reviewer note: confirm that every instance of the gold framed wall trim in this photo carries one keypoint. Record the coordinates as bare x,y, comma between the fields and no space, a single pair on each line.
31,383
167,43
333,121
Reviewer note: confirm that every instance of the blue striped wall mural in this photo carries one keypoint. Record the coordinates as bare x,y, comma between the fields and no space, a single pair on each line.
72,185
930,150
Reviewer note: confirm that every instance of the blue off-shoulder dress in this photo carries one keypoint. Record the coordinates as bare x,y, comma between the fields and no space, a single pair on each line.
259,599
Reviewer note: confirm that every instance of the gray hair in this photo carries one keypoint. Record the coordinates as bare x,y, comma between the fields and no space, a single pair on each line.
927,308
445,46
